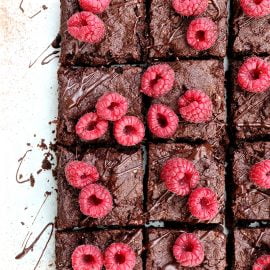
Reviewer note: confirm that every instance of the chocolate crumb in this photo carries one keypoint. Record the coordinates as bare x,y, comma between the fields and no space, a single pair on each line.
42,145
22,223
44,7
20,176
39,171
32,180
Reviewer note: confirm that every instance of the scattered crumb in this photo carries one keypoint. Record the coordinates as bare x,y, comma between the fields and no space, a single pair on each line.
22,223
20,176
32,180
47,193
39,171
28,144
25,208
42,145
44,7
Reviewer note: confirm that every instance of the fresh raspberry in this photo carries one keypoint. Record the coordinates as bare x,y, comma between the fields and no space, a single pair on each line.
190,7
254,75
162,121
256,8
203,203
86,27
262,263
91,127
119,256
129,130
94,6
112,106
157,80
188,250
180,176
195,106
95,201
202,34
79,173
87,257
260,174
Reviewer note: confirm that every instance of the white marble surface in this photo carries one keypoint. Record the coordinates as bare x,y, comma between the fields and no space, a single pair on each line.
28,101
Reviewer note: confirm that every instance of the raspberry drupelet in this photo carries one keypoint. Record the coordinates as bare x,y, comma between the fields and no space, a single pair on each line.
94,6
188,250
79,174
162,121
119,256
203,203
254,75
195,106
202,34
260,174
190,7
86,27
111,106
157,80
256,8
180,176
95,201
91,127
86,257
262,263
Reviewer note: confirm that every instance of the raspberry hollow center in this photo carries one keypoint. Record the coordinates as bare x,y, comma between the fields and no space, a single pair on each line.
113,105
119,258
188,247
91,126
162,120
94,200
204,202
154,81
186,178
129,130
84,22
258,2
88,259
200,35
255,74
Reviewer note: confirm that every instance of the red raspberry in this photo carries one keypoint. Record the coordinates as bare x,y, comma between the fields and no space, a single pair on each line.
87,257
95,201
190,7
260,174
112,106
119,256
162,121
188,250
195,106
86,27
157,80
129,130
94,6
254,75
79,174
202,34
256,8
203,203
180,176
91,127
262,263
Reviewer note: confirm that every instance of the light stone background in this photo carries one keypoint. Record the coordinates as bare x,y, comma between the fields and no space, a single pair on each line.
28,101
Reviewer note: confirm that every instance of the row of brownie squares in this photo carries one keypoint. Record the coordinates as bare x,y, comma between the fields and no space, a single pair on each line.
132,36
121,172
249,245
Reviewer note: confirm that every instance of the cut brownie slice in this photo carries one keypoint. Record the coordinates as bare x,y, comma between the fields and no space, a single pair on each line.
249,245
168,30
251,202
208,76
79,90
209,162
125,35
120,172
67,242
251,111
161,241
250,35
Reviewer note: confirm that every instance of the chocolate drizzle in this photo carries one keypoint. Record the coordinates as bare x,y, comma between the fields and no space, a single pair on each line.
20,6
50,57
31,179
30,247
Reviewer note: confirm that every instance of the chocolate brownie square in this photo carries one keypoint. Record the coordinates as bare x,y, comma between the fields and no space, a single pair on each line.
251,202
79,90
125,39
249,245
168,30
205,75
161,241
251,111
66,242
121,172
250,35
166,206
